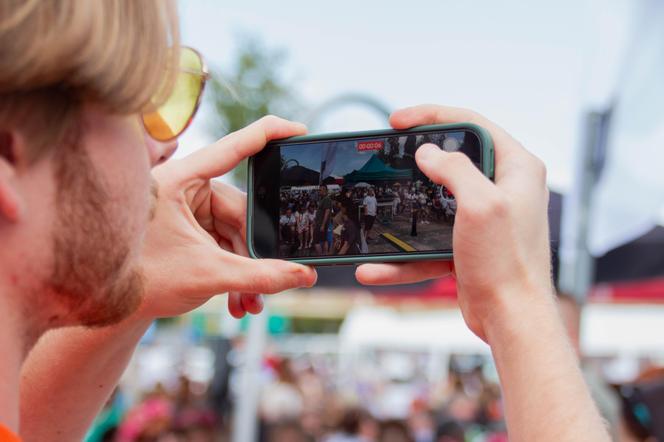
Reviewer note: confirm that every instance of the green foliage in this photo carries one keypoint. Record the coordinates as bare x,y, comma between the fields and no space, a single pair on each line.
250,89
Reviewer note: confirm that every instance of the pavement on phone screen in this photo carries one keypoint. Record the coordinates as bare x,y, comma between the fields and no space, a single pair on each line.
394,235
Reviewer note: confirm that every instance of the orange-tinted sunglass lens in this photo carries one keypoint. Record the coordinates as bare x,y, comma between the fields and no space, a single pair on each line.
173,117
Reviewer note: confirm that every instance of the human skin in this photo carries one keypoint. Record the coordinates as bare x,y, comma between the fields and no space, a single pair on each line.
501,263
503,272
192,249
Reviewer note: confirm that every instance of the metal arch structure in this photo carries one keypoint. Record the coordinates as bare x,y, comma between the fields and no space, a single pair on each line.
348,99
292,160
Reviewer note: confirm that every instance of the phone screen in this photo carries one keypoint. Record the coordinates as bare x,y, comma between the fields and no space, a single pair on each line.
349,197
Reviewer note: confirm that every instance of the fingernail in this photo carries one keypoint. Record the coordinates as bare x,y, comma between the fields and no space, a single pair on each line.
305,274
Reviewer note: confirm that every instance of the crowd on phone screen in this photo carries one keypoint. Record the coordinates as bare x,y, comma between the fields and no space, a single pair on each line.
328,222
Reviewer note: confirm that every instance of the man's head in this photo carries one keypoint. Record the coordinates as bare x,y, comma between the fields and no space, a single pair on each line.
371,191
322,190
75,159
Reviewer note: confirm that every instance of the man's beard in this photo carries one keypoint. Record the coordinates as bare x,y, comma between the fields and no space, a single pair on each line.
91,250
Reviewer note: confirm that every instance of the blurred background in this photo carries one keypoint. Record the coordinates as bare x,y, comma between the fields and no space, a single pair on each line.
578,82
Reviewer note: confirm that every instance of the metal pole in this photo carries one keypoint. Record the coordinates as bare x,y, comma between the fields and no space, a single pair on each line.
577,265
245,419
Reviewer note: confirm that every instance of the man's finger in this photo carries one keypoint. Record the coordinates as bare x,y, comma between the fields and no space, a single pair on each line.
235,305
385,274
220,157
453,170
267,276
436,114
252,303
228,204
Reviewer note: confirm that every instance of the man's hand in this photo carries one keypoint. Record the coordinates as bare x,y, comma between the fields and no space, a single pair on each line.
502,267
195,246
500,239
194,249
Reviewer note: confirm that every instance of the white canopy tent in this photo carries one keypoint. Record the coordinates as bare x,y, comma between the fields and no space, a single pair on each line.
607,330
442,330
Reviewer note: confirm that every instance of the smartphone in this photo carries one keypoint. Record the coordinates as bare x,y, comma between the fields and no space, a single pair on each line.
356,197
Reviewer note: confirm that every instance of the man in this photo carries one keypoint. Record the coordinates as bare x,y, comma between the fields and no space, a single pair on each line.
350,235
370,208
86,240
449,205
287,221
352,209
323,214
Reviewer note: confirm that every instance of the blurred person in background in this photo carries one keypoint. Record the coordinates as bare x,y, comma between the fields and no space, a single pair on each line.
286,431
281,400
90,240
643,407
421,422
348,429
394,431
449,430
458,404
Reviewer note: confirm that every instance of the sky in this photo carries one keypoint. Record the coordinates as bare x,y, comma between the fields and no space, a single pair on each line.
531,67
347,158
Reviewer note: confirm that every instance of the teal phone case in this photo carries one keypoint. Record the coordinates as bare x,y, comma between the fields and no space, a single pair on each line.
487,169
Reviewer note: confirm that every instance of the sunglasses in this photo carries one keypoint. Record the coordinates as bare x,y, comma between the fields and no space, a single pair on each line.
174,116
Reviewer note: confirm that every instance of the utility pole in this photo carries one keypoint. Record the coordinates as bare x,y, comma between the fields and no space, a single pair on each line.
577,265
245,419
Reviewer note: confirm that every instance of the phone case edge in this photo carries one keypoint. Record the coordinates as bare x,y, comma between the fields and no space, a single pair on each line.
487,169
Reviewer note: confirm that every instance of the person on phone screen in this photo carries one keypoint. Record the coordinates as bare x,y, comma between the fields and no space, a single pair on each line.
350,235
323,217
101,233
370,209
311,222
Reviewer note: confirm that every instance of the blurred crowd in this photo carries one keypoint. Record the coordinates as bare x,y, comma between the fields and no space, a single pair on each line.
302,400
302,403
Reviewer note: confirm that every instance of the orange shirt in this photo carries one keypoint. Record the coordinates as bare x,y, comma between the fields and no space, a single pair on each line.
7,436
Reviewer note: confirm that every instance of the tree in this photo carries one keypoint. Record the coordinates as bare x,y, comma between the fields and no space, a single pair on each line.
250,89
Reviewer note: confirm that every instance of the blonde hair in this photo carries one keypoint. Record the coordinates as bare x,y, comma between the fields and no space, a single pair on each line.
57,54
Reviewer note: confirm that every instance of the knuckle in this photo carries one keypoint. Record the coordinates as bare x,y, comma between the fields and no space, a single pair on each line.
495,206
262,283
270,120
458,159
471,116
473,212
539,168
499,206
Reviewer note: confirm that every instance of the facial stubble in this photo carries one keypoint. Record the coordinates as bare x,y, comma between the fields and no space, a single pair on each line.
91,273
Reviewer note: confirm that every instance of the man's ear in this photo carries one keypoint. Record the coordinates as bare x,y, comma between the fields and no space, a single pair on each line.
11,204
